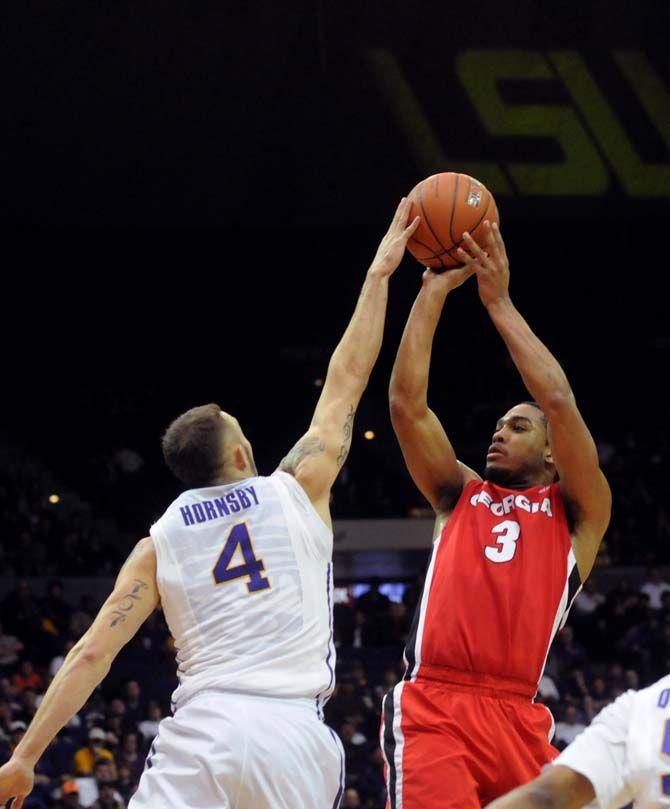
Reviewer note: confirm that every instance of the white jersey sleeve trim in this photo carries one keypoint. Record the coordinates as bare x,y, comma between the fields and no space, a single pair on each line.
599,754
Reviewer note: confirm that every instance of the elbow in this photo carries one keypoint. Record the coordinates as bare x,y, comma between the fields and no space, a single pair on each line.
89,655
557,402
543,797
349,370
398,405
404,408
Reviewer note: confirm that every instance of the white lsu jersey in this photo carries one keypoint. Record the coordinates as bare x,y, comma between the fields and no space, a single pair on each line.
625,751
244,573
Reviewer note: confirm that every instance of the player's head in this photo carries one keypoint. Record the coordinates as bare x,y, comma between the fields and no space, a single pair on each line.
206,446
520,455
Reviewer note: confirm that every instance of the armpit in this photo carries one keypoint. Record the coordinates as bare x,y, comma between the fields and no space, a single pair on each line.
308,445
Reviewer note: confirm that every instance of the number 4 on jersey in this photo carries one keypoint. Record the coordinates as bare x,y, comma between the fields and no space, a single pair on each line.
252,567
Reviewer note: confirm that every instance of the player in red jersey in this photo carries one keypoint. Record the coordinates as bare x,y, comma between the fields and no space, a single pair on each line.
509,556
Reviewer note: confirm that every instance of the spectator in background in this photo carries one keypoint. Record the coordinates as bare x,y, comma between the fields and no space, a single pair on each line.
85,757
126,784
133,701
27,677
108,798
351,799
69,796
149,726
568,729
129,756
547,689
371,781
654,587
567,651
10,647
59,659
20,613
55,610
589,598
104,773
29,704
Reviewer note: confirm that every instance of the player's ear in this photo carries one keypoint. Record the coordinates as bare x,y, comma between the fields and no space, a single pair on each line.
548,457
240,458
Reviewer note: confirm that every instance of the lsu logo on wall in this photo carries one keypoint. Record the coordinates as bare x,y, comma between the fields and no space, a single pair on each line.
590,131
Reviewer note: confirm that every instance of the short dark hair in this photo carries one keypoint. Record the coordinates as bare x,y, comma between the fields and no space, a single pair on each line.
535,404
193,445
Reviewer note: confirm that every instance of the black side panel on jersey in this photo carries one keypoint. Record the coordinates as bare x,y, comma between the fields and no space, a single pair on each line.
410,643
389,747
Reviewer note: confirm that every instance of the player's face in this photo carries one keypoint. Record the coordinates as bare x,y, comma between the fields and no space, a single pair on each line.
236,438
519,452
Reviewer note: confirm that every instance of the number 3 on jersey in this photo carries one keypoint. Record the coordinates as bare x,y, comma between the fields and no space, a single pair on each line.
223,572
508,533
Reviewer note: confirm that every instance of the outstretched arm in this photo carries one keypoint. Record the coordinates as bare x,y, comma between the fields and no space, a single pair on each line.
583,484
133,599
429,456
317,458
557,788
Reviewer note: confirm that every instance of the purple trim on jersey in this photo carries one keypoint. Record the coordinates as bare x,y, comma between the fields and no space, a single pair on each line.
152,751
330,639
340,791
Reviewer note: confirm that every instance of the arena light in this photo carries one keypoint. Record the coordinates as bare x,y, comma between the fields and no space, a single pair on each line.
369,434
54,498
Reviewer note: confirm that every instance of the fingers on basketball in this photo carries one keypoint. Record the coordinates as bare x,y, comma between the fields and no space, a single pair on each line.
448,203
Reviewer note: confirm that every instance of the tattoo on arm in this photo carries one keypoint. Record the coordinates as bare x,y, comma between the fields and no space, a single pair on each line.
309,445
347,430
128,602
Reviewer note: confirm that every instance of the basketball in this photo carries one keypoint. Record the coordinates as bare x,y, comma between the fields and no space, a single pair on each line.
448,204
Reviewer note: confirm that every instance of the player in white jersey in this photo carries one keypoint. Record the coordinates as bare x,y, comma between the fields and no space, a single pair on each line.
241,565
622,757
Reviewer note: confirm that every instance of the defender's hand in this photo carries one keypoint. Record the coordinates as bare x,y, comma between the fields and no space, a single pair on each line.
491,266
392,246
448,280
16,781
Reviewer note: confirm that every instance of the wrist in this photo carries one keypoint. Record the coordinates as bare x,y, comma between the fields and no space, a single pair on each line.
22,758
500,306
377,272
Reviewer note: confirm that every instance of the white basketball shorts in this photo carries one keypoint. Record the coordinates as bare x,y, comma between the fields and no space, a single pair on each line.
233,751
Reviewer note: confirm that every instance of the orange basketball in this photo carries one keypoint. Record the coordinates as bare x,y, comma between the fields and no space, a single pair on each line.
448,204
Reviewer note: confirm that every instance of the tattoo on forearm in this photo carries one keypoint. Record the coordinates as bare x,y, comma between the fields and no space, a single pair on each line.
347,430
128,602
309,445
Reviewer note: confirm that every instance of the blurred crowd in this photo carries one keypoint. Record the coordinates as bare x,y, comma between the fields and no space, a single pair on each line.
42,538
615,640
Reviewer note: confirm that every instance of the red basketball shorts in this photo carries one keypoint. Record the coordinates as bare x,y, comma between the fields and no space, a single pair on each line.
454,746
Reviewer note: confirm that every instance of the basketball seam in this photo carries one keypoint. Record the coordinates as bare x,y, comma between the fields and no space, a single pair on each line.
453,210
425,216
430,250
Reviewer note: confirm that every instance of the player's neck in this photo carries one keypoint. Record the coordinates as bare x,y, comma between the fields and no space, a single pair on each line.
231,474
518,483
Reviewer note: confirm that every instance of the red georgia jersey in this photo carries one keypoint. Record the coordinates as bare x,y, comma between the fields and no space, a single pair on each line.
500,582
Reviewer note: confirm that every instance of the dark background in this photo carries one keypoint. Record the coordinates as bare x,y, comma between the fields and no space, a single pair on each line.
194,194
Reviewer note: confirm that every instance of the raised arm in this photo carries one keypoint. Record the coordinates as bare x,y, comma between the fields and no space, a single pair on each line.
583,485
429,456
318,456
133,599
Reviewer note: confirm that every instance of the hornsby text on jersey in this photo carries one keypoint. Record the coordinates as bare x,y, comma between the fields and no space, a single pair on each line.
217,507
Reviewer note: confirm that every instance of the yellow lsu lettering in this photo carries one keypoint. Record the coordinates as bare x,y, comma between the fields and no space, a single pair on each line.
594,143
